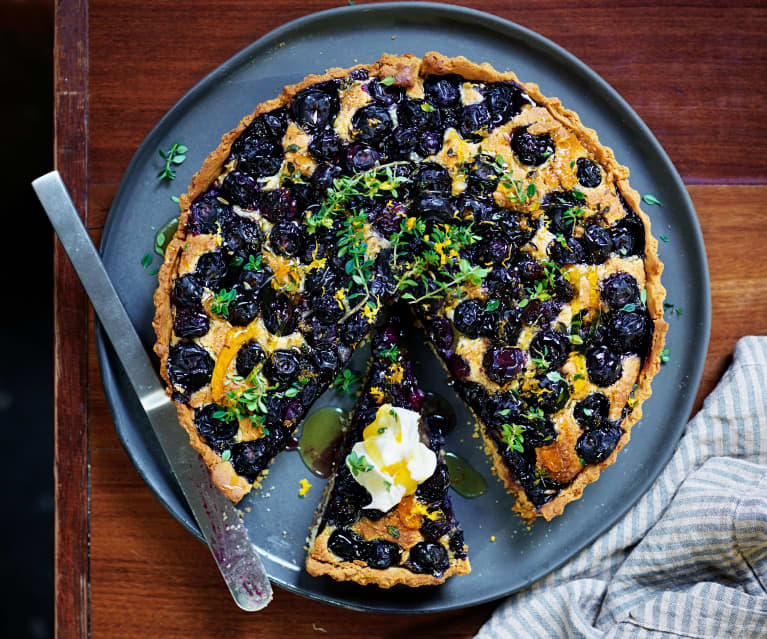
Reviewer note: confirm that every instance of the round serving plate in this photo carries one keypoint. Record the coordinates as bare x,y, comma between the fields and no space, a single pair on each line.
277,518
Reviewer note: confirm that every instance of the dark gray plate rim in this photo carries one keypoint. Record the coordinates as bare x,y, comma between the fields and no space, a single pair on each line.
694,365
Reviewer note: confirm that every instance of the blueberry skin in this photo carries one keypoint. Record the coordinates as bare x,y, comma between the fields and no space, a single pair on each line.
620,289
595,445
592,411
346,544
603,366
531,149
216,432
314,108
249,355
189,366
475,121
588,173
371,124
552,346
190,322
429,558
597,243
381,554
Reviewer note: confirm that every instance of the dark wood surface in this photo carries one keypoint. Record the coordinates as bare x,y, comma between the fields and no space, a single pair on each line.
124,566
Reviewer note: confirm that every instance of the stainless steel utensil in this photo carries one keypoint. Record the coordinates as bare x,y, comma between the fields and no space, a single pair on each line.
235,554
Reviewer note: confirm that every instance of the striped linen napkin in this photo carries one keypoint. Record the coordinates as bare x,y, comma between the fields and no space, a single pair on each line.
690,559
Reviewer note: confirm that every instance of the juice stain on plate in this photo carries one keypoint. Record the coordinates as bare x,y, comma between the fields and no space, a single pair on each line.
437,411
322,431
165,235
466,481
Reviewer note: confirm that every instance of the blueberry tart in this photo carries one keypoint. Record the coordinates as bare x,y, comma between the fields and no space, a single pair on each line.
489,209
386,516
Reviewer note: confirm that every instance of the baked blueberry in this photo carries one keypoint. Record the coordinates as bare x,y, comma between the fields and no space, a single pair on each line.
603,365
244,307
248,357
620,289
566,251
531,149
596,444
381,554
482,175
431,177
549,349
216,431
592,411
207,213
589,174
326,145
628,235
283,366
190,322
189,366
361,158
630,332
469,317
286,238
504,100
249,458
313,108
597,244
435,487
210,269
442,90
346,544
428,557
371,124
475,121
187,292
279,315
240,190
277,205
502,364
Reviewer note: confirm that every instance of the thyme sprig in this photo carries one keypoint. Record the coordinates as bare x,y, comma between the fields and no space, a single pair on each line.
173,156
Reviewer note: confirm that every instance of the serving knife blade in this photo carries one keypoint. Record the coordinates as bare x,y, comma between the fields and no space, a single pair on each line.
227,538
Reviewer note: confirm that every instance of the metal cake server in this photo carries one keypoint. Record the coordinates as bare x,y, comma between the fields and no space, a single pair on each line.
235,554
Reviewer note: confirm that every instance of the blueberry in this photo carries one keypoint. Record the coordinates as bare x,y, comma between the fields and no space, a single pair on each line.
327,309
314,108
187,292
321,281
597,243
189,366
603,365
474,121
433,529
554,394
630,332
628,235
551,347
326,360
242,236
493,251
418,114
502,365
383,94
251,457
541,313
562,209
283,366
267,126
354,329
571,253
279,316
361,158
504,100
503,284
210,269
387,219
620,289
563,290
255,279
318,333
459,367
286,238
249,355
381,554
277,205
371,123
359,74
326,145
592,411
435,487
440,333
433,178
596,445
475,208
469,317
442,90
507,325
244,307
530,270
428,557
205,212
346,545
215,431
482,175
433,205
457,544
240,190
429,142
401,143
258,155
190,322
531,149
588,173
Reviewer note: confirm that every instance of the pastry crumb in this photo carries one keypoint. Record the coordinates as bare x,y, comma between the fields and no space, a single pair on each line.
305,486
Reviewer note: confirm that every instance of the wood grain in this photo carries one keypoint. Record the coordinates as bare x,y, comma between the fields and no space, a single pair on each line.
694,73
71,340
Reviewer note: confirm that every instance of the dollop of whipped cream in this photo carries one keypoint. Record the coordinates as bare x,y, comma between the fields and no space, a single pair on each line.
391,461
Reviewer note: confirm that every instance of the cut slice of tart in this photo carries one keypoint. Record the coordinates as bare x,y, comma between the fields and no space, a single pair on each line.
386,516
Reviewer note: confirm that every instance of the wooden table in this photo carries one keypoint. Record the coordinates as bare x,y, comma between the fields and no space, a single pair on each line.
124,566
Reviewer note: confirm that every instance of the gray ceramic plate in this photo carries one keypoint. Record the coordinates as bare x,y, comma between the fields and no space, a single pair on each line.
279,521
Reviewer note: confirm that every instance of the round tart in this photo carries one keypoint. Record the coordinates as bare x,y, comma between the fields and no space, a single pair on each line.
489,209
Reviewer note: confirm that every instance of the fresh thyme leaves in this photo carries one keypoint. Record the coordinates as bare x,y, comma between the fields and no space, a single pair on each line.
254,263
387,81
248,399
513,436
291,148
221,301
540,359
357,463
492,305
427,107
391,353
664,238
672,308
573,215
366,184
146,261
665,356
393,531
226,455
643,296
629,308
578,195
345,382
649,198
174,198
541,475
554,376
173,156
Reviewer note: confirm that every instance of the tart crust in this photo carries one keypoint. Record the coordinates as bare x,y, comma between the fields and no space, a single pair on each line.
405,69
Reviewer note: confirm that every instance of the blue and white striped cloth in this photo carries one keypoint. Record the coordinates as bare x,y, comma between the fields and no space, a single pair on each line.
690,559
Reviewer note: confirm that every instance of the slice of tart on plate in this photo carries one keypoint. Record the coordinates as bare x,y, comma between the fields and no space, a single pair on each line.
386,516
